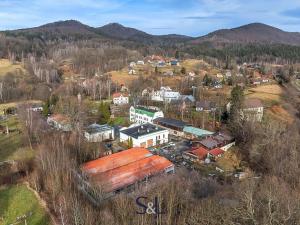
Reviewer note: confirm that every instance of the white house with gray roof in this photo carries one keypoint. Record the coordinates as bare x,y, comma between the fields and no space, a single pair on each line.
98,133
142,115
145,135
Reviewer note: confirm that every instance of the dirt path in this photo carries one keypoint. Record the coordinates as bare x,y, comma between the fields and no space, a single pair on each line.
43,204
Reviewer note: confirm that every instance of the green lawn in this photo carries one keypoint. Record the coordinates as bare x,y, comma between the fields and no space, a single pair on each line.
11,145
17,201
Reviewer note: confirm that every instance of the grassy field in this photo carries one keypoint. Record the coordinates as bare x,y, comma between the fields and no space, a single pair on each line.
269,94
6,67
14,104
17,201
11,145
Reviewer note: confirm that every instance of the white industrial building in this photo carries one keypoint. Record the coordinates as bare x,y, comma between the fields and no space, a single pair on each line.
98,133
145,135
142,115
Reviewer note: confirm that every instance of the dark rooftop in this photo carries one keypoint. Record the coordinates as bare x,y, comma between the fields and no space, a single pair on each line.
166,122
141,130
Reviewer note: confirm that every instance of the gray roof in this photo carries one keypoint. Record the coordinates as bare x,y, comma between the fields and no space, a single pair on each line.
96,128
168,122
205,104
141,130
209,143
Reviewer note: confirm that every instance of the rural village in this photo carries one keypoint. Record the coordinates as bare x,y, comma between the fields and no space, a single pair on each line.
154,125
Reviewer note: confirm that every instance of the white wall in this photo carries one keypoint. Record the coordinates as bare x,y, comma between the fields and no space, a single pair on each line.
121,100
101,136
162,136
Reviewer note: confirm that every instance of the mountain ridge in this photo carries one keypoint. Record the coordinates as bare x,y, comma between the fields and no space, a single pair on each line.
249,33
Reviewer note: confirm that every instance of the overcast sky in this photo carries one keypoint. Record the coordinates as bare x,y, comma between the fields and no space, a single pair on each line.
189,17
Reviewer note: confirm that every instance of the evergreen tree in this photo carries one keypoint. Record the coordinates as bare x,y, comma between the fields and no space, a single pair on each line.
183,70
104,113
177,55
236,101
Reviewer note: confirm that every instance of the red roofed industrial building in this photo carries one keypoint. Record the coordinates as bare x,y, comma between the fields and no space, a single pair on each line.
120,170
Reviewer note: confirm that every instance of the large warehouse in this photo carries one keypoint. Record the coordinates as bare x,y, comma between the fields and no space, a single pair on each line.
120,170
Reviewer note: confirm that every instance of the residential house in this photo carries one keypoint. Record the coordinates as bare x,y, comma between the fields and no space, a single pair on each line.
174,63
145,135
60,122
132,64
174,126
196,154
120,98
140,62
122,170
216,153
217,140
206,106
99,133
253,110
36,108
143,115
165,94
228,74
185,103
169,73
132,72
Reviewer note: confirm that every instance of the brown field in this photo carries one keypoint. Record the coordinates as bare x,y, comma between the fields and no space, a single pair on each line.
279,113
6,66
267,93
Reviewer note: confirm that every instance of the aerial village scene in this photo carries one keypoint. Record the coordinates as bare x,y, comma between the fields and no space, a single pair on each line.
101,129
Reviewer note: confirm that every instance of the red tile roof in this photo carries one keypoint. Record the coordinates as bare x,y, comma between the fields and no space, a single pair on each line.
118,94
216,152
60,118
201,153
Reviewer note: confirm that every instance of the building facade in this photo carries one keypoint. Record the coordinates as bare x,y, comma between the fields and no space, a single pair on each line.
120,99
142,115
165,94
98,133
146,135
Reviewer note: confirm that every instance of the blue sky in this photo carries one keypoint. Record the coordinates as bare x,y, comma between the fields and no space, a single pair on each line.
189,17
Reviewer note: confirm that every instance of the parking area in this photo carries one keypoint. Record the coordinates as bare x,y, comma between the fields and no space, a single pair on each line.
173,150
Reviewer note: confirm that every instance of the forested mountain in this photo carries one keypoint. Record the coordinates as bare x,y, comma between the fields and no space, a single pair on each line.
251,33
250,42
118,31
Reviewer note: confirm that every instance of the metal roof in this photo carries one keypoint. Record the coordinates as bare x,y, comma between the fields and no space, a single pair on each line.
122,169
210,143
168,122
196,131
142,130
96,128
115,160
124,176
